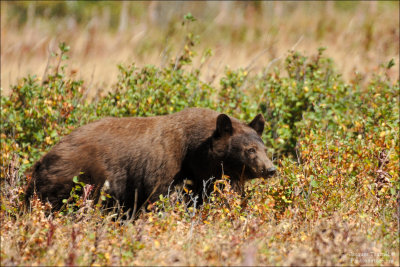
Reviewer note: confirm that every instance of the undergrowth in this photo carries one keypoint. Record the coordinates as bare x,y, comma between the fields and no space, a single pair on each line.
335,143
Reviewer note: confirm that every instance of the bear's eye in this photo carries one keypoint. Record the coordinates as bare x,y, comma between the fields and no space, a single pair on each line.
251,151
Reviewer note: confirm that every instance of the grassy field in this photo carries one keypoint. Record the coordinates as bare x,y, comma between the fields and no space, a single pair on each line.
358,36
332,128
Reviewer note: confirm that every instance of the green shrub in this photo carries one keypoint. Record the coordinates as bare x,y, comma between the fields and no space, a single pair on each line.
153,91
34,116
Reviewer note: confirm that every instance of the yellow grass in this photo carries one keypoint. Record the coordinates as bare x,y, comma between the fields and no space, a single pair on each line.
358,40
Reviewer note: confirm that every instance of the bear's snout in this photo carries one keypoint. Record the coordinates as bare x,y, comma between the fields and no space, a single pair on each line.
266,166
264,170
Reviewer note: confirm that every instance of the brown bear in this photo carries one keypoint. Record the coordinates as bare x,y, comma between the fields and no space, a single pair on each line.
139,158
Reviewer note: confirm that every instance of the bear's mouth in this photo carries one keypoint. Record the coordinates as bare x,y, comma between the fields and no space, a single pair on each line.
253,173
246,173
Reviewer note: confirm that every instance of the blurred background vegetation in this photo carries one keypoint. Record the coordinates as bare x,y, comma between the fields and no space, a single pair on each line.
359,35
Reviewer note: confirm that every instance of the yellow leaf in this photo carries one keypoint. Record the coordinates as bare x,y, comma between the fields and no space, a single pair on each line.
156,243
303,236
48,140
107,255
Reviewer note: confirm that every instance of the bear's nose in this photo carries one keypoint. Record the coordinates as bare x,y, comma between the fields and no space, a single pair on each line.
271,171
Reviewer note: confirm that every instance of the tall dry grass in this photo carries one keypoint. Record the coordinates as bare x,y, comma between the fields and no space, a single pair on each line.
358,35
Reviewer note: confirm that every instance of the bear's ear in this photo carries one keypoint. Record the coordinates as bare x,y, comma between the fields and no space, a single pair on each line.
258,124
224,125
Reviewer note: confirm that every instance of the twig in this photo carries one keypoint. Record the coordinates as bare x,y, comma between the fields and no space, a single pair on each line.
241,180
164,53
257,57
89,87
48,62
135,203
154,190
192,215
298,41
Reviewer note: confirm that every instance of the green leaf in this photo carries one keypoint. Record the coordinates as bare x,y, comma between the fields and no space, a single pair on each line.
390,64
189,17
314,183
393,191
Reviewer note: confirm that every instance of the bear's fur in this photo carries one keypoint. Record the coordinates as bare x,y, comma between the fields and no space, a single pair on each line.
144,156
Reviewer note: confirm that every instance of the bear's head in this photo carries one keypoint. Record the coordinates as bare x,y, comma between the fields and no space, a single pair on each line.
240,148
